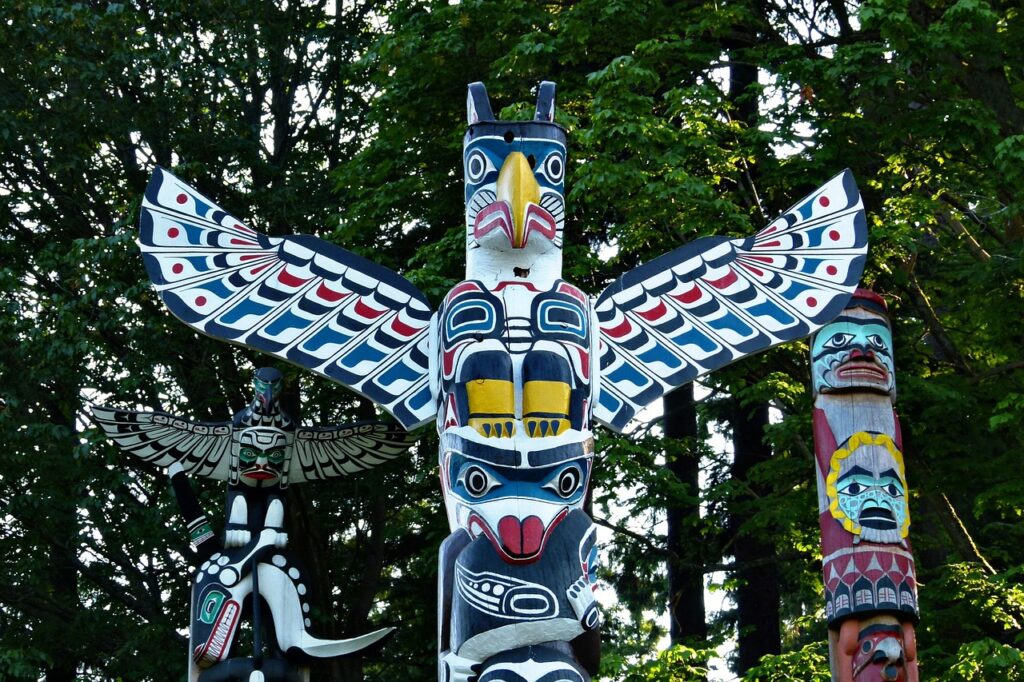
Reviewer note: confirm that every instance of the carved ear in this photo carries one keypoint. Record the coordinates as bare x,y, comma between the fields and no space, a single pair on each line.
545,102
478,106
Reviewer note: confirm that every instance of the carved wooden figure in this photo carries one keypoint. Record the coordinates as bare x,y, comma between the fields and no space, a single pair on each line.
516,365
260,452
870,585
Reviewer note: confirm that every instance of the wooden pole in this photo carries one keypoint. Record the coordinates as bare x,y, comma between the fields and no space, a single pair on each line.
868,568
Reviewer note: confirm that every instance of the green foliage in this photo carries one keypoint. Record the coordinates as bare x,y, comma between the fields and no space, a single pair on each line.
349,124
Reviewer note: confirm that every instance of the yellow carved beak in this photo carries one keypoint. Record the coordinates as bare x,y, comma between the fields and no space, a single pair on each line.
518,186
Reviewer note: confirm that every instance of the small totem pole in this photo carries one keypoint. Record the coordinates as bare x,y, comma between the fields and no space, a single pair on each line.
870,588
517,364
259,453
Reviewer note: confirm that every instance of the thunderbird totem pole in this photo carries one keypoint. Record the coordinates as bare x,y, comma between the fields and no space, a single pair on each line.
514,367
260,452
870,587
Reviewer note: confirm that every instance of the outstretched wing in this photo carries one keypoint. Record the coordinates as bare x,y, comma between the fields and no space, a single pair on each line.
298,298
202,449
348,449
717,300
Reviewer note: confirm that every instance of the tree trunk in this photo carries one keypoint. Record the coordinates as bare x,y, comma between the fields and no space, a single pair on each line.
757,595
685,582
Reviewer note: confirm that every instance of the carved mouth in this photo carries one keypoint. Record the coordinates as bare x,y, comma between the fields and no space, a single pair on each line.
855,370
259,475
214,648
520,542
877,518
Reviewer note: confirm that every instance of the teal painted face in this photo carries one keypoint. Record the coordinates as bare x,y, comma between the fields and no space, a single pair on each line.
854,352
867,490
262,457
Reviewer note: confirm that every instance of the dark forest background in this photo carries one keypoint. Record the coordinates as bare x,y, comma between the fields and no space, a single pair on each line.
686,119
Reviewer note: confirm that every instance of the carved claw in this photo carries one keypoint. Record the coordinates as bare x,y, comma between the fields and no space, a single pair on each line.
581,597
457,668
280,540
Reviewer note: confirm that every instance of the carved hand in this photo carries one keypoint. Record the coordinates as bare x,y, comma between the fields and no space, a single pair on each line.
581,596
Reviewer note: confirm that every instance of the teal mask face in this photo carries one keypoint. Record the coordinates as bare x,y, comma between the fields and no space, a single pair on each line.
867,490
854,353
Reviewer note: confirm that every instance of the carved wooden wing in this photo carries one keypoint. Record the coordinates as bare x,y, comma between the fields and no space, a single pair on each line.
717,300
298,298
333,451
202,448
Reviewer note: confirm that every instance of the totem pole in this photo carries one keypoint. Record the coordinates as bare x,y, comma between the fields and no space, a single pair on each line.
870,586
260,452
515,366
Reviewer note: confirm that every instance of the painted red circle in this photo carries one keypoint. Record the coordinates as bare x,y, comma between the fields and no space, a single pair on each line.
173,233
177,268
182,198
834,235
811,301
200,300
831,269
823,201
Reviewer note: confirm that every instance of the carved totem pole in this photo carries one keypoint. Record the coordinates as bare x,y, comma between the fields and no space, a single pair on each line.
260,452
870,584
515,366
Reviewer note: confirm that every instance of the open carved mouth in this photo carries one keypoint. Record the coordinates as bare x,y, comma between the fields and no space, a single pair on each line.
213,649
259,475
877,518
862,370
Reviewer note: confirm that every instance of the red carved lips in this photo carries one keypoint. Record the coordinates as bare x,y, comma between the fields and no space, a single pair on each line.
861,369
259,474
518,540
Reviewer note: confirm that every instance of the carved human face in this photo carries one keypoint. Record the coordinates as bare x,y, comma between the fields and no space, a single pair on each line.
262,457
867,489
854,352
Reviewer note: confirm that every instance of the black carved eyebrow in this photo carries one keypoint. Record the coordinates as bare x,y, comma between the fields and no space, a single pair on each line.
855,471
890,472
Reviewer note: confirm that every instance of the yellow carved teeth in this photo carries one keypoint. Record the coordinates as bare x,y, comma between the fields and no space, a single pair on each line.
540,427
493,428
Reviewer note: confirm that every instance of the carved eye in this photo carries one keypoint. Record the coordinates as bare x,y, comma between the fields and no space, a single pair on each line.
554,168
566,483
276,456
477,481
477,166
877,342
892,489
247,455
211,606
839,340
854,488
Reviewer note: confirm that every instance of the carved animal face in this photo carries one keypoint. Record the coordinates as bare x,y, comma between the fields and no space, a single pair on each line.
515,508
267,387
515,204
880,654
854,352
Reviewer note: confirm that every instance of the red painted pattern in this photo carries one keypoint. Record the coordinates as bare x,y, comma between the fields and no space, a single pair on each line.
688,297
757,271
539,220
328,294
763,259
403,329
619,330
497,216
363,310
774,242
723,282
654,313
250,256
289,280
256,271
239,226
461,289
566,288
